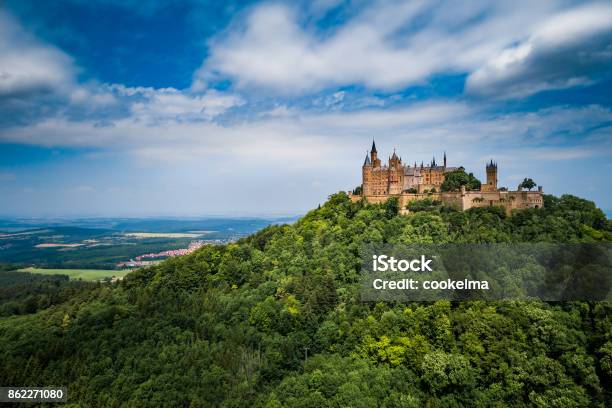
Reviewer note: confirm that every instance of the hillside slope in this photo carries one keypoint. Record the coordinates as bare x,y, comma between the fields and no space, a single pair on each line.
275,320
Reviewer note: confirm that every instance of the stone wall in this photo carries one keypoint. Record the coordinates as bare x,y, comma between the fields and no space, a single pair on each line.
464,200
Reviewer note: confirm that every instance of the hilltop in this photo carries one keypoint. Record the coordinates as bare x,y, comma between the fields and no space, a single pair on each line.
275,320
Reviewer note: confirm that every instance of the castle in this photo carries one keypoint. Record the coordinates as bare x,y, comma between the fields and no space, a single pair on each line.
410,183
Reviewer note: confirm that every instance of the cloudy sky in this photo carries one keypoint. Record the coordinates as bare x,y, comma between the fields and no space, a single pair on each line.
144,108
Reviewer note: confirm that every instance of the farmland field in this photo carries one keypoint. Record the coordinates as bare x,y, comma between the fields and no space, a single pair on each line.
83,274
105,243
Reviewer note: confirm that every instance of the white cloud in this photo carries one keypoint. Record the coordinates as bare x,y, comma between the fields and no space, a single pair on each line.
93,96
387,46
260,158
165,104
518,47
28,66
563,51
303,139
573,26
171,125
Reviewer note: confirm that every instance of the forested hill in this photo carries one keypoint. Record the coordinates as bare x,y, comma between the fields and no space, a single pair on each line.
275,320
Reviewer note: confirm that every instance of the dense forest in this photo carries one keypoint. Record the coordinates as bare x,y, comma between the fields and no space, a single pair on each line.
276,320
24,292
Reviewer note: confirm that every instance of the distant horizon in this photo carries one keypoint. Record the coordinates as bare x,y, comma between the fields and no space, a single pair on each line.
263,216
150,217
228,215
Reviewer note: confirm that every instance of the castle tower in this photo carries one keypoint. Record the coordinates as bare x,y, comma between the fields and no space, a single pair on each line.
374,156
491,177
396,175
366,174
394,161
367,161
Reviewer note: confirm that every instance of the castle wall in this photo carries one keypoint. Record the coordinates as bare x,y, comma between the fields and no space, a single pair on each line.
464,200
375,181
432,178
412,181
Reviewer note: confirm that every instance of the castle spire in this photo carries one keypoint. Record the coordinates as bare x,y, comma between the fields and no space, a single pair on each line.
374,156
367,161
445,158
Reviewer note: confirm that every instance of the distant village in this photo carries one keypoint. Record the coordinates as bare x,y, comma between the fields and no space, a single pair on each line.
154,258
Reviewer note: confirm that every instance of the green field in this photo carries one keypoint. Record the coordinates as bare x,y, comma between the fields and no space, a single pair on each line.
83,274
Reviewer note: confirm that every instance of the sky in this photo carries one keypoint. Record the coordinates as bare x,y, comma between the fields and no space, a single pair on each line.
194,108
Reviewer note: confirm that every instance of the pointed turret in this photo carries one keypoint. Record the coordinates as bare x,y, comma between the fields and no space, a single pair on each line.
367,161
491,177
394,161
374,156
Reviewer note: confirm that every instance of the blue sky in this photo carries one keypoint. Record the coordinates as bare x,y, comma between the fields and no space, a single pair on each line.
142,108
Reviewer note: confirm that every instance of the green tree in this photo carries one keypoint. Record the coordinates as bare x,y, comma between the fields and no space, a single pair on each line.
528,183
455,179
